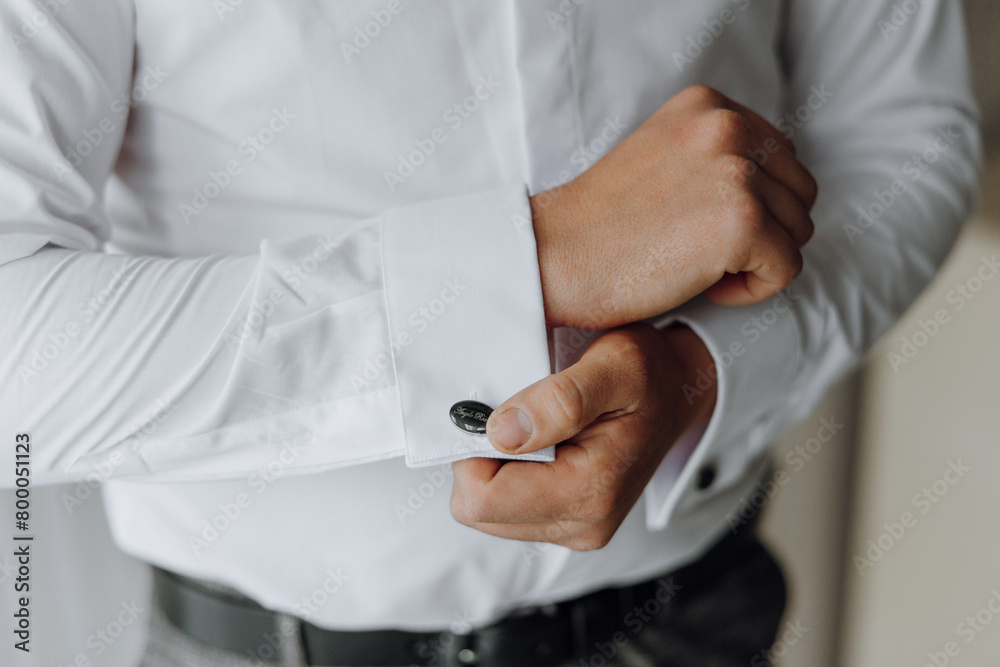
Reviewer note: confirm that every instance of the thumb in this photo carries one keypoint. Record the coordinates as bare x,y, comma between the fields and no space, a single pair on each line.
559,406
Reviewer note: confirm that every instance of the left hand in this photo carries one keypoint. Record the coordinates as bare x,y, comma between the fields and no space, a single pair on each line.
614,414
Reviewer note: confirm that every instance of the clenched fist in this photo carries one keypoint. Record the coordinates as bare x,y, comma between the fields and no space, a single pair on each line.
705,196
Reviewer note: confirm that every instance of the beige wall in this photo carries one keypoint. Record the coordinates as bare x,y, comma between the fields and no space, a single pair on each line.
941,407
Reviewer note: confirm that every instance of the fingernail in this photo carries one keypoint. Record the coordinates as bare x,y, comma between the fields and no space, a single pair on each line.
513,429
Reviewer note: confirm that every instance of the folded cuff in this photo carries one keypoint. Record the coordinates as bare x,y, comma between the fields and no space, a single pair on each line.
465,313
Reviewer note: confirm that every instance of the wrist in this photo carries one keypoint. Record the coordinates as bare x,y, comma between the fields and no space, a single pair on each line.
544,219
573,277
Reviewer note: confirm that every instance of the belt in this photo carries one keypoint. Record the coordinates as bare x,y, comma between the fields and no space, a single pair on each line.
567,630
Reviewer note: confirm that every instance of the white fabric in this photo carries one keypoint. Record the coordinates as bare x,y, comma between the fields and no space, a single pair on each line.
289,184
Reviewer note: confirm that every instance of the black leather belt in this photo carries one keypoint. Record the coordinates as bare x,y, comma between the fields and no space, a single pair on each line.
567,630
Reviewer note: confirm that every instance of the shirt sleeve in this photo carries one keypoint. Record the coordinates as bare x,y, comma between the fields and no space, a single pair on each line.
318,352
880,109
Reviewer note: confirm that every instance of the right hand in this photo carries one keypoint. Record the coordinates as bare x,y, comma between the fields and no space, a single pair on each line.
704,196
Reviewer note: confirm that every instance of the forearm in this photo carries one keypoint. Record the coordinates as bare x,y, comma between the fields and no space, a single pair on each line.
208,368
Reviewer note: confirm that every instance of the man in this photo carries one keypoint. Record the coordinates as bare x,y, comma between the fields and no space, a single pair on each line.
329,250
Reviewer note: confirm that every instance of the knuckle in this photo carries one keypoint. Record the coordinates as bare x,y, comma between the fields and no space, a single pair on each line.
602,507
787,267
565,402
703,95
630,350
738,171
808,229
457,508
745,226
749,219
728,128
798,265
592,539
790,268
603,499
477,509
811,189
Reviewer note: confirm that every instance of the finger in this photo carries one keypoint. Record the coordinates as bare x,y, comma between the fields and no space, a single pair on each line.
581,520
784,167
563,533
731,290
468,475
761,124
559,406
775,262
520,491
786,209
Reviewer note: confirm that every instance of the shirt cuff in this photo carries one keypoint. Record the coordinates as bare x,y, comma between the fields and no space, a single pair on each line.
465,313
756,350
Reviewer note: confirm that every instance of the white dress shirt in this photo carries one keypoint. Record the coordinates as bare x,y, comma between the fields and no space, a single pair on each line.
254,251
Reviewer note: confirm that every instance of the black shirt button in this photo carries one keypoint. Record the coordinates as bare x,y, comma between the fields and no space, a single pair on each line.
470,416
705,477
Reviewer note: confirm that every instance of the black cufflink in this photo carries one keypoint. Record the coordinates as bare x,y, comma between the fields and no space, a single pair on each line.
471,416
705,477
